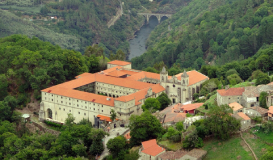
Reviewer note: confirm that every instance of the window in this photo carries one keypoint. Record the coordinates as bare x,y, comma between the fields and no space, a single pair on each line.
173,85
61,97
52,99
45,98
77,105
94,108
59,108
69,103
85,107
52,95
61,101
64,109
85,114
69,98
69,110
79,112
101,105
85,102
101,110
77,100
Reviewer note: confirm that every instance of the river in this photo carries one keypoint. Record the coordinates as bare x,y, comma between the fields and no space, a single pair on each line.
137,45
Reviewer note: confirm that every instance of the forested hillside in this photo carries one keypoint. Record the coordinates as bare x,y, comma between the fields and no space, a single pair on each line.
81,23
210,32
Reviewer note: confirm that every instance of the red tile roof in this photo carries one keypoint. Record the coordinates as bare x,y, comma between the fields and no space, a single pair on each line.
173,114
194,77
119,63
270,110
244,116
235,106
231,91
151,147
189,107
104,118
156,88
116,73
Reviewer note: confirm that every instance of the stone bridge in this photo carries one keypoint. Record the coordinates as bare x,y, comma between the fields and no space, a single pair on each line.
157,15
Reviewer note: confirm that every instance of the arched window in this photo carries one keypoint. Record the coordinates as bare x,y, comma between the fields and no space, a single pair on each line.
162,78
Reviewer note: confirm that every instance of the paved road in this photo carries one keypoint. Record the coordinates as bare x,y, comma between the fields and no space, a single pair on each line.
112,134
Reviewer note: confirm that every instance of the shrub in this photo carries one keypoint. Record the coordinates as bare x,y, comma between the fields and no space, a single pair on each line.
53,124
189,115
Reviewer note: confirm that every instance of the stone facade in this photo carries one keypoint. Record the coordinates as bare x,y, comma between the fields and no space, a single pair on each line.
92,96
178,88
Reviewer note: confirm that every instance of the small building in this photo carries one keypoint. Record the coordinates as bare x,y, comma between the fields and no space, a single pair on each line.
245,120
150,150
172,155
195,154
270,113
236,107
123,64
256,111
226,96
250,97
190,108
26,118
190,120
171,115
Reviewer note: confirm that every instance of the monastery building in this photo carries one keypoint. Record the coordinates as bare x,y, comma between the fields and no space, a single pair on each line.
92,96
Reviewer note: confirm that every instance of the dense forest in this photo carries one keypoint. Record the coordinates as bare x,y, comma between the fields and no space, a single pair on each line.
210,32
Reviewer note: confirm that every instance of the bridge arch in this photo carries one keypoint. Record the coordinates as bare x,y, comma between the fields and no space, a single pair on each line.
157,15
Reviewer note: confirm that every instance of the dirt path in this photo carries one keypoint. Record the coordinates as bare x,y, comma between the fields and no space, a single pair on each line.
248,146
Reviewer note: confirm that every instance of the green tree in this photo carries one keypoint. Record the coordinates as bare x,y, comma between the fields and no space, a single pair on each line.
150,69
144,127
191,139
221,123
5,111
163,100
151,104
262,99
96,135
113,115
245,73
262,79
179,126
3,86
116,146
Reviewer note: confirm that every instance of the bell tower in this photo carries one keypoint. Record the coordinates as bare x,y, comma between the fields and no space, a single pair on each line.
185,79
163,75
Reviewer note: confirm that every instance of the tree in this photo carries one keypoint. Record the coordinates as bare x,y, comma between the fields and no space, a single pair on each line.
262,79
144,127
220,122
116,146
191,139
179,126
151,69
234,79
97,135
163,100
151,104
113,115
262,99
268,155
245,72
5,111
3,86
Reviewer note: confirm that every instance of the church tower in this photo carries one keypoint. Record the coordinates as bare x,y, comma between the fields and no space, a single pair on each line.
163,75
185,79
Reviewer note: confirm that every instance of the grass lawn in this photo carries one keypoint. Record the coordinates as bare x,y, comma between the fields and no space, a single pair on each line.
209,101
231,149
263,136
243,84
258,146
170,145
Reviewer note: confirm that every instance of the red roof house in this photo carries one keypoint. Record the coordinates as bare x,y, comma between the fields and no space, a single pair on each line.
150,150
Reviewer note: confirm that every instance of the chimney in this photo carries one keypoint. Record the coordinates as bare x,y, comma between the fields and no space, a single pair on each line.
226,87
